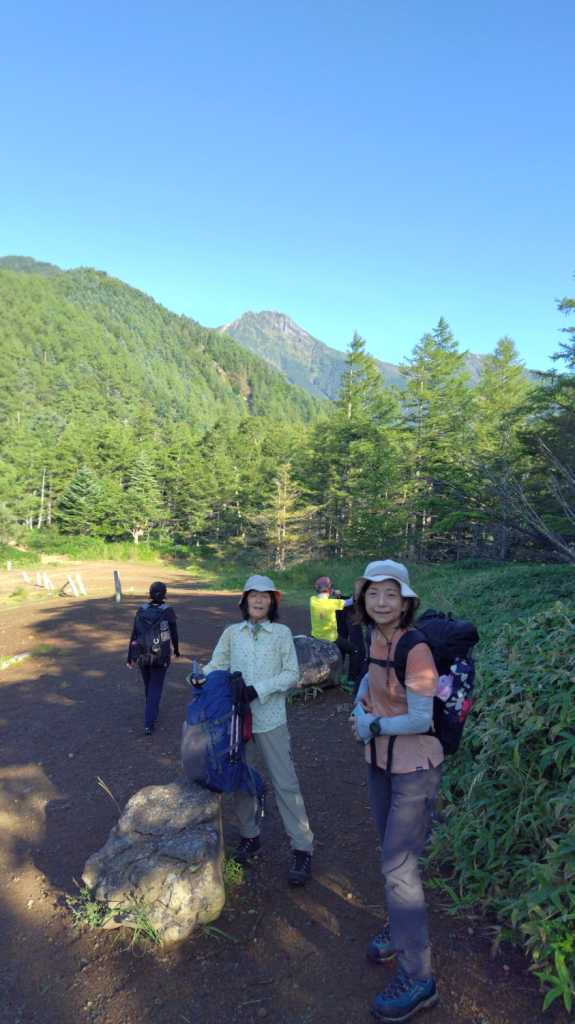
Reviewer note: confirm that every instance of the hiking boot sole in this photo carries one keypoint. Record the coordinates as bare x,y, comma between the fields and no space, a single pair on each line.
380,958
244,859
425,1004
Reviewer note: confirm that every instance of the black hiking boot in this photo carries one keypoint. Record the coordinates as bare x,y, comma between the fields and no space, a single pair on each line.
247,850
300,870
149,729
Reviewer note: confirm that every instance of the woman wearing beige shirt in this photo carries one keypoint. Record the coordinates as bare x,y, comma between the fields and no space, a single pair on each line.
263,651
404,764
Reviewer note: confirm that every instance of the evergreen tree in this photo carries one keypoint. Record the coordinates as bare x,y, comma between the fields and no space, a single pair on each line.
437,411
79,508
501,416
359,413
286,518
351,462
142,504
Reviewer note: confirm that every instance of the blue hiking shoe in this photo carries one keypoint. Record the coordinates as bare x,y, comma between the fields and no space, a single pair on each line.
381,948
403,997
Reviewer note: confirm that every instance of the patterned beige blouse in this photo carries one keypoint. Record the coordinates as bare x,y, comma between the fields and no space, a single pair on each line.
267,660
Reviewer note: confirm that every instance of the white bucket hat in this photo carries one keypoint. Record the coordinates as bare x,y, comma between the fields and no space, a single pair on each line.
261,583
377,572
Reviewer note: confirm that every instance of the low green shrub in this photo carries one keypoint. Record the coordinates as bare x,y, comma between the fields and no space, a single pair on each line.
508,840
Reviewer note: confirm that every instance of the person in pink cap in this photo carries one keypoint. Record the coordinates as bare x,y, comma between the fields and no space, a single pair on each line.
404,762
263,651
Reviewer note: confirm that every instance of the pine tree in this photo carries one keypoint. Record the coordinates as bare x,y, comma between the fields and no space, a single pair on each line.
437,414
142,502
284,521
359,411
501,415
79,508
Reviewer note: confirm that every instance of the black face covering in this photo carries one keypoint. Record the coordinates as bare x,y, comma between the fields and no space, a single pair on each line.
158,592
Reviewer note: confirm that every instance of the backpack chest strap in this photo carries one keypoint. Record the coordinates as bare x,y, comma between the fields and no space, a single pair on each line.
404,646
380,661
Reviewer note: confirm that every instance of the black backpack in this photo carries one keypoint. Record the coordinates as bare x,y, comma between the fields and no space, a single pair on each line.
451,642
152,635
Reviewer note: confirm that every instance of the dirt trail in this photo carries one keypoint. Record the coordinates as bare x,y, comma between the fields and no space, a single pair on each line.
74,714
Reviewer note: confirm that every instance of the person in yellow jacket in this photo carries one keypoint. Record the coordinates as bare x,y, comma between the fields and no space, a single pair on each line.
324,606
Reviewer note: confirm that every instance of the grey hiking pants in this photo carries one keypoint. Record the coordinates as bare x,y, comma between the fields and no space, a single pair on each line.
275,749
401,805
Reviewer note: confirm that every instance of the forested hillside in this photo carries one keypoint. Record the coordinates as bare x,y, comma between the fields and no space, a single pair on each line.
121,419
97,373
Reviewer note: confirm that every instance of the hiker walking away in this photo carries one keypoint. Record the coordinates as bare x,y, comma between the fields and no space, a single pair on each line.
329,613
154,627
263,651
404,764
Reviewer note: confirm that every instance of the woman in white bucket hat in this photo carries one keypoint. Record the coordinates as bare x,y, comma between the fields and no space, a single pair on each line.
264,652
404,764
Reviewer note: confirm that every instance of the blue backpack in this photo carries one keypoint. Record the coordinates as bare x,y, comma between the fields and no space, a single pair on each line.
213,749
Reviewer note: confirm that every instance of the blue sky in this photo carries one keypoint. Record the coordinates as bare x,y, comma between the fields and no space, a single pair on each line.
368,165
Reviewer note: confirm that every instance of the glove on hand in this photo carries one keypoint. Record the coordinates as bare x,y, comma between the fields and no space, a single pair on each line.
237,688
241,694
362,725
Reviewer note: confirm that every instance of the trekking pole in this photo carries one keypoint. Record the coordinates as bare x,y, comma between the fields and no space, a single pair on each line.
234,735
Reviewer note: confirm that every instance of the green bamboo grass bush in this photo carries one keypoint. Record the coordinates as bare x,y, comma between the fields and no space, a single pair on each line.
508,839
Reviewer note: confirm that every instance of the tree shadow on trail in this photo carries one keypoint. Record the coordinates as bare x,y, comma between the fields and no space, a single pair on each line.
71,716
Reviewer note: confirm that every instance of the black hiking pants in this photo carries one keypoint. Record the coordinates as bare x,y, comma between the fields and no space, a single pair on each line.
153,676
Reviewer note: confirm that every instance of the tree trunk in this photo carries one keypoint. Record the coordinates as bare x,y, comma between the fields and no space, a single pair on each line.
49,505
42,498
503,548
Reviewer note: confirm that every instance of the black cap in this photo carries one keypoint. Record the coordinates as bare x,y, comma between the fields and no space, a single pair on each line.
158,592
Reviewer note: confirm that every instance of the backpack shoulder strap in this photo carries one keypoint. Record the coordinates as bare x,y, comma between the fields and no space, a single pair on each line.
405,644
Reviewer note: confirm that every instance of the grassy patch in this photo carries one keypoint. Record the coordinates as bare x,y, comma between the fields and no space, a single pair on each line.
508,839
86,910
41,649
305,694
234,875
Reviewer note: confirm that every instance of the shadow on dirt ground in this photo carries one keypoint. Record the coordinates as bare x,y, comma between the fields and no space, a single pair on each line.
74,715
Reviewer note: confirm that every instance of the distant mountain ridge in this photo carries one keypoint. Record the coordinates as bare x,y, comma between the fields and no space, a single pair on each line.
306,361
79,343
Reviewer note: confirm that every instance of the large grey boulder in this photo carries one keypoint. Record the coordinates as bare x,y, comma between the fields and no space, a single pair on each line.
320,662
163,859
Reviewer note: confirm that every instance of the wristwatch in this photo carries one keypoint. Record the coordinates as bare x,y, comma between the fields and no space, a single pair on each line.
375,728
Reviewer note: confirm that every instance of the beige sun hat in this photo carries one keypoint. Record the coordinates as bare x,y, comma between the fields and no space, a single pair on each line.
261,583
377,572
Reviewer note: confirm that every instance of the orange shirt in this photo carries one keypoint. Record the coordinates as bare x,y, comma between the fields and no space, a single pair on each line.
413,752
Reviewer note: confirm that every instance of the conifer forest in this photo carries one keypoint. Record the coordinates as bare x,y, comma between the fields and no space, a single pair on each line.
123,420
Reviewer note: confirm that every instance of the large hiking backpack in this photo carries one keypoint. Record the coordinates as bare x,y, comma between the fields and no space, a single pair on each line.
213,748
152,643
451,642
